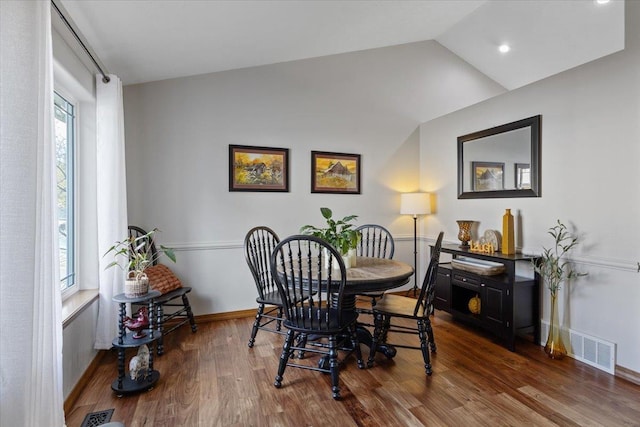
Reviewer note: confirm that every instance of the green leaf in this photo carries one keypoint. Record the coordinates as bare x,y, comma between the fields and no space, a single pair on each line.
169,253
112,264
326,212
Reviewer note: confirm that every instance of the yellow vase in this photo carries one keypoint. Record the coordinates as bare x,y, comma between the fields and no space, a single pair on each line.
554,347
508,243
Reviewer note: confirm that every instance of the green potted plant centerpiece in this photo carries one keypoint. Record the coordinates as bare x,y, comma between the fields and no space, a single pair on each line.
554,269
338,233
133,255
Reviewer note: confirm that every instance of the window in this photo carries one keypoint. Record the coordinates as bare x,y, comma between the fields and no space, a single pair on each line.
64,130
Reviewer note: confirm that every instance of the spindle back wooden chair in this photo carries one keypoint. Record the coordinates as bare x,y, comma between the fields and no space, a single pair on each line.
259,243
401,307
311,277
376,242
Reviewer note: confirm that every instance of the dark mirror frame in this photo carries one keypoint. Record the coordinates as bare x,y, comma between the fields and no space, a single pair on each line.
533,122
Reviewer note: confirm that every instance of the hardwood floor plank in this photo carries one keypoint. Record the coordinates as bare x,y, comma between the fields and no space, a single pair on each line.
558,407
212,378
517,414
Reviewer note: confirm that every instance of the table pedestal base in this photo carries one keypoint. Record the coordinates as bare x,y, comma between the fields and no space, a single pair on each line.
365,337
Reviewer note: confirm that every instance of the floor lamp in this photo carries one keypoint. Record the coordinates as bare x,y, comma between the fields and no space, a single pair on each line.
415,204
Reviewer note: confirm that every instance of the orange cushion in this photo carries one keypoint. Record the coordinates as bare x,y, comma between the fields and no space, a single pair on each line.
162,279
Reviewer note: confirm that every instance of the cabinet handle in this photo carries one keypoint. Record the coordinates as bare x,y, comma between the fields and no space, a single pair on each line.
482,284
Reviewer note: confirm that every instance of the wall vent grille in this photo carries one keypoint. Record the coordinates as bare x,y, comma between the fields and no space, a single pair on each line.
593,351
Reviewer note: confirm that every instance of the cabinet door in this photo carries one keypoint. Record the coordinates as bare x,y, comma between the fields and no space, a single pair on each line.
493,306
442,297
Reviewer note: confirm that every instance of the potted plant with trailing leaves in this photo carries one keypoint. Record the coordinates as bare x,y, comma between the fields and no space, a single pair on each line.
555,269
340,234
133,255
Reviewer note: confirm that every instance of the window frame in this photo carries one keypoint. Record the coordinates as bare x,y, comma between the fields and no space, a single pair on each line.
74,102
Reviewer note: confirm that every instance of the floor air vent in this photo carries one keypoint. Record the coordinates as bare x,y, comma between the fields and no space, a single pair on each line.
94,419
593,351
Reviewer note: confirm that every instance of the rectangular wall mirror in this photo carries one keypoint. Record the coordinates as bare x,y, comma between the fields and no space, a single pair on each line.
503,161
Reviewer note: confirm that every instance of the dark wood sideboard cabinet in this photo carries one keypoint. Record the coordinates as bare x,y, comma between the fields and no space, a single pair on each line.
509,303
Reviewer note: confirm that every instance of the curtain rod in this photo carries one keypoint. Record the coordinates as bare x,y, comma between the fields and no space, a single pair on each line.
78,36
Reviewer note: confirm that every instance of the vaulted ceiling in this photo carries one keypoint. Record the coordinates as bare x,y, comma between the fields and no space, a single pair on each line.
149,40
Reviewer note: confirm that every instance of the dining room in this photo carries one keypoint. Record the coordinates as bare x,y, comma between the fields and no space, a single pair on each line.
352,130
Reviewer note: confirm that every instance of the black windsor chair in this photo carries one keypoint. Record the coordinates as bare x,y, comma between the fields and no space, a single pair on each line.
376,242
176,300
313,292
396,306
258,246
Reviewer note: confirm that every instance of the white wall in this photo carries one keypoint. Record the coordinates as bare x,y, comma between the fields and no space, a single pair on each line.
590,154
371,102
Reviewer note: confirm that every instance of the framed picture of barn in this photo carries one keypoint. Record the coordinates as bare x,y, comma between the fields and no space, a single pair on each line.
258,168
335,173
487,176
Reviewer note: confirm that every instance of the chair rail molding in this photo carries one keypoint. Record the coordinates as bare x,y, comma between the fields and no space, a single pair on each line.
205,246
239,244
601,262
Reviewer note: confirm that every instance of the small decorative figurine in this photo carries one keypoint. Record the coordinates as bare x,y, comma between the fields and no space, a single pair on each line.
139,364
138,324
474,305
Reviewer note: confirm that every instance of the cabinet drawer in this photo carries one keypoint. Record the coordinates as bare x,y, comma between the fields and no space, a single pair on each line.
468,282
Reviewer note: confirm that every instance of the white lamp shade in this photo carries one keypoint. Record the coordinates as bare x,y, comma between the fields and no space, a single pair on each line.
415,203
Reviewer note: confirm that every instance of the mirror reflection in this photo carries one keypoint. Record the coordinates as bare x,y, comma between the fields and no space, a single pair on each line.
500,162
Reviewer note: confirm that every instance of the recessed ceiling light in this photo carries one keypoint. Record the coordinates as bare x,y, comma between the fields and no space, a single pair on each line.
602,1
504,48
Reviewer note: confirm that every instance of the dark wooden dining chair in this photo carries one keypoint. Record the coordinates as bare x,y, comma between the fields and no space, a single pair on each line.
175,299
258,246
375,242
400,307
312,293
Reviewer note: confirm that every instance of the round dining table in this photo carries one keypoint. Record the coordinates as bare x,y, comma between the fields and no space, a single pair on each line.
372,275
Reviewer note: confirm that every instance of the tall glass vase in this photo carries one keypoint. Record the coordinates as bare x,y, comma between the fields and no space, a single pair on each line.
554,347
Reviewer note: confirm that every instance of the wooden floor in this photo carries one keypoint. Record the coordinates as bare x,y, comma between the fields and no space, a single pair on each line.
211,378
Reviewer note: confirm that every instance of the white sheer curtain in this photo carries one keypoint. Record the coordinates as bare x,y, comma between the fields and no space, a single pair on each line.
30,298
112,200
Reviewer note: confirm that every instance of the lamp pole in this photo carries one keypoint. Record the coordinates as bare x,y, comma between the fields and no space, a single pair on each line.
415,253
415,204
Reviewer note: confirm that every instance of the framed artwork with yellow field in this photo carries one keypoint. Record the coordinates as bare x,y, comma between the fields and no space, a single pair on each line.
337,173
258,168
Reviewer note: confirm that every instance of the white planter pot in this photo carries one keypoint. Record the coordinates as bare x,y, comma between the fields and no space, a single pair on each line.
136,287
348,260
352,257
